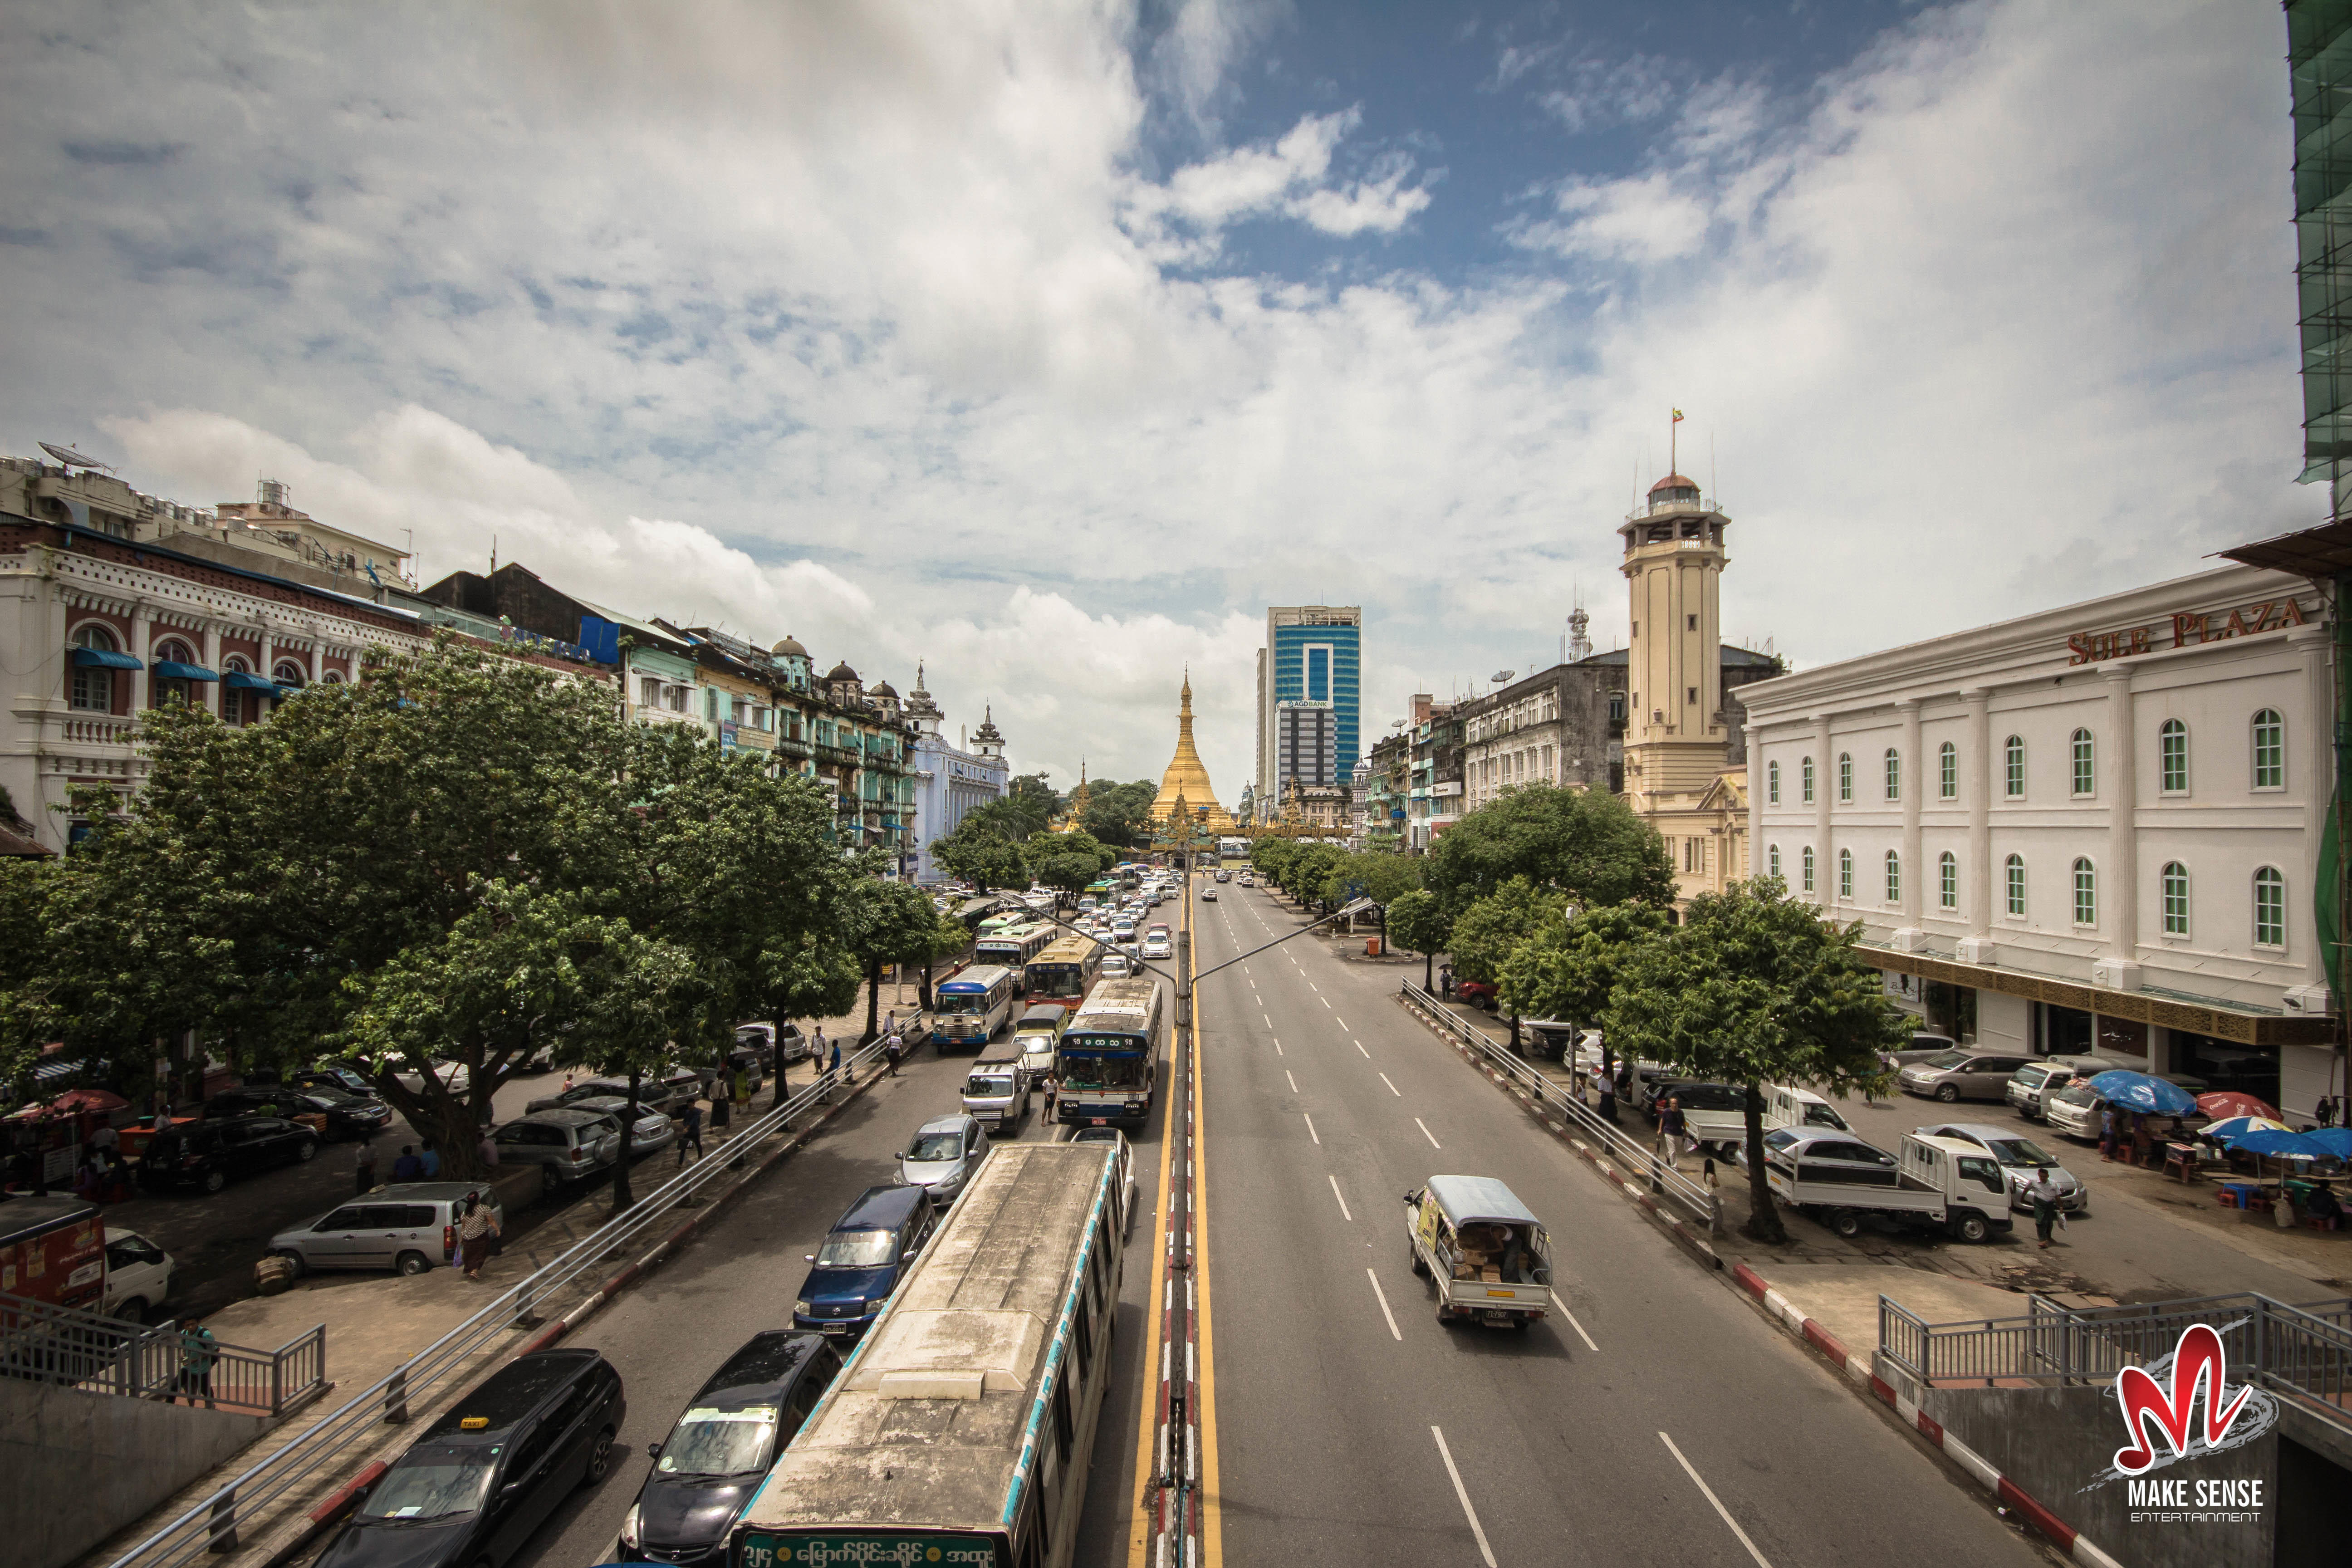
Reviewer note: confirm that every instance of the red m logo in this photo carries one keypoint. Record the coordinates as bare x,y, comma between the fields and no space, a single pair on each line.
2198,1360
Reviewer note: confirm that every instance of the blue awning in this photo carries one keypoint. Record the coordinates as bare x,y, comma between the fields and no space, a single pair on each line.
172,669
105,658
243,680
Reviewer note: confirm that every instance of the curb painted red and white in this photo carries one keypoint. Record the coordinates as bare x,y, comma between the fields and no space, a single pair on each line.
1681,1229
1858,1369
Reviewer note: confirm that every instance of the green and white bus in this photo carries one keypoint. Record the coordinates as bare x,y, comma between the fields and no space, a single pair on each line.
976,1392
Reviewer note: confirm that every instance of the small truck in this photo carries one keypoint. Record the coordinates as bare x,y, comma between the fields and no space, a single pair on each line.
1481,1247
1936,1184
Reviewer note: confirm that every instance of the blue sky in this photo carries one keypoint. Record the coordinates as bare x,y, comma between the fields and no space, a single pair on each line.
1049,342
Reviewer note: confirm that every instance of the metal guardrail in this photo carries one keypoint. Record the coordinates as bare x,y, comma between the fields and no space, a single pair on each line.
2302,1353
1632,1155
211,1525
99,1355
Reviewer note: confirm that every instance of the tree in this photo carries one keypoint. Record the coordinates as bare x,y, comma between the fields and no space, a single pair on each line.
1754,988
887,922
26,1019
1068,874
1270,856
811,976
1586,844
1033,787
1120,815
1571,971
1376,874
985,848
1487,932
1417,922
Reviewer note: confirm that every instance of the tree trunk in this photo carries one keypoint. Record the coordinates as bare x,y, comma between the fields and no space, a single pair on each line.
777,1052
1514,1036
1763,1219
623,1198
873,1002
1429,972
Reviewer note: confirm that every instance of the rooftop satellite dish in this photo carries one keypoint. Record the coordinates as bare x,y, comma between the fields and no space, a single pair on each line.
1396,723
1500,675
69,457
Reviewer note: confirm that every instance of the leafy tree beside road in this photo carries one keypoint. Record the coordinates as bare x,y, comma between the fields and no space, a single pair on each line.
1584,843
1417,922
1490,930
1571,972
1754,987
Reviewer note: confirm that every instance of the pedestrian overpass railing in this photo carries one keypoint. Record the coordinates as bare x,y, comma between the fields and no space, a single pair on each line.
98,1354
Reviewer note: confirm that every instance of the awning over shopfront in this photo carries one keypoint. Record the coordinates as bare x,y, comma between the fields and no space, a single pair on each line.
2195,1015
105,658
172,669
244,680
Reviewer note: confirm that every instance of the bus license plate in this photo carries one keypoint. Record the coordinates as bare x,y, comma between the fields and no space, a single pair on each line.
1097,1120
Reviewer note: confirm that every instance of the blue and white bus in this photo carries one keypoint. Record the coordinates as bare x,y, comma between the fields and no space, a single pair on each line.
969,1006
1108,1060
961,1431
1013,948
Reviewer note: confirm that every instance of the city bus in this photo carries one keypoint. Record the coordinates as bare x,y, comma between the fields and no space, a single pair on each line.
1013,948
962,1428
1109,1058
971,1006
1065,971
1232,848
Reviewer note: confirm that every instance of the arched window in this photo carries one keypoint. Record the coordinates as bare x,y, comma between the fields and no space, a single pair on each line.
2270,907
1772,859
1948,880
2270,750
1894,773
1845,776
238,704
1805,779
1845,876
1894,878
2086,892
332,677
1808,864
290,673
2012,757
165,689
2084,774
2172,756
2175,881
2013,873
1772,783
1948,771
93,684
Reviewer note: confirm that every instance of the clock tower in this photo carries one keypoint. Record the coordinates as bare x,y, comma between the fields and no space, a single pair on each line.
1675,729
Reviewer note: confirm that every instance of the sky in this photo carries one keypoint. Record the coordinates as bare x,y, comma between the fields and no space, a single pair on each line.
1048,343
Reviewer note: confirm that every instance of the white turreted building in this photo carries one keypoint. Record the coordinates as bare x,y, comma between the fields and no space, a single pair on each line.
950,779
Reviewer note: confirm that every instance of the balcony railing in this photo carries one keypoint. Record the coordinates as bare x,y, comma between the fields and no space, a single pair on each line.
91,730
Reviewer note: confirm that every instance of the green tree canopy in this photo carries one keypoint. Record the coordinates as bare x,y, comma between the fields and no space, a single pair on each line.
1754,988
1571,972
1068,873
1120,815
1417,922
1033,787
985,849
1586,844
1381,874
888,923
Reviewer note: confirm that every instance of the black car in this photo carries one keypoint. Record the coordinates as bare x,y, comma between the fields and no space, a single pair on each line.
488,1472
669,1090
716,1456
346,1115
341,1079
207,1154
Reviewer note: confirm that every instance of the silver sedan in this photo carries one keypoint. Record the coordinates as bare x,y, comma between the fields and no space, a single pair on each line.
2021,1159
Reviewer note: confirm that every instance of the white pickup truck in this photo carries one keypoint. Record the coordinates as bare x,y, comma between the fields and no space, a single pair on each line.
1938,1183
1716,1114
1487,1253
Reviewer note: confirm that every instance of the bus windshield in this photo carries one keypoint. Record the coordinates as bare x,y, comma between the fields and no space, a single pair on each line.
1090,1071
961,1003
1056,980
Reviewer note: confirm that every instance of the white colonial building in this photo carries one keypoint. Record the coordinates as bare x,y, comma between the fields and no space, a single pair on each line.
950,781
2097,829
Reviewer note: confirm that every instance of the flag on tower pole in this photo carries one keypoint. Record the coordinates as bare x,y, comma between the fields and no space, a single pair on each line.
1678,415
1671,434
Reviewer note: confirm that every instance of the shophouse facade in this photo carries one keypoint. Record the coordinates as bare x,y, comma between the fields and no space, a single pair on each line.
2093,831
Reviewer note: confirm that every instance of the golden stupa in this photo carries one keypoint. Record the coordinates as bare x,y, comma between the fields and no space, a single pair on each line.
1186,780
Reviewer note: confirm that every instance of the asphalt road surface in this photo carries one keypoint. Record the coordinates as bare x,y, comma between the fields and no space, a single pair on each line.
670,1331
1654,1419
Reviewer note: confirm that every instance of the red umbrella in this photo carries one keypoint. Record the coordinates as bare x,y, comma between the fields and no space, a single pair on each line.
78,1101
2226,1102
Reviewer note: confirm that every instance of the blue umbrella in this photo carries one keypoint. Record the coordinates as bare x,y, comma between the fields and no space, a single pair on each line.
2281,1146
2137,1091
2336,1141
2229,1128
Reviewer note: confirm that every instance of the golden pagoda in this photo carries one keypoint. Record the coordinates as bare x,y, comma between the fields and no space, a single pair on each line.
1186,782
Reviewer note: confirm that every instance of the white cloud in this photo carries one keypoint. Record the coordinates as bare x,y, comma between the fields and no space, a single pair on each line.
858,322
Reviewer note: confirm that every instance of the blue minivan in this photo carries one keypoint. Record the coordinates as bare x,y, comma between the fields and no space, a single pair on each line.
863,1258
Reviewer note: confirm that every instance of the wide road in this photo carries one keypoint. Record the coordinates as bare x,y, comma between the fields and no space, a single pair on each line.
671,1331
1656,1419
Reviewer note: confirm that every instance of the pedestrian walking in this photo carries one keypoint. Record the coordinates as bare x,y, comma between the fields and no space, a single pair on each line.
1053,1088
2325,1111
691,1120
890,1055
364,1172
1608,1101
406,1168
475,1234
833,1065
1670,1133
1445,981
1709,1177
198,1354
2107,1133
2042,1194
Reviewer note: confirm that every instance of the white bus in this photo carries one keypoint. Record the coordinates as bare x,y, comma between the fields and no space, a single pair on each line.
975,1392
1013,948
971,1006
1110,1057
1232,848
